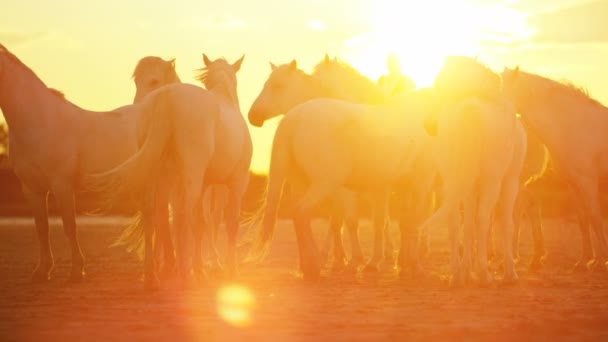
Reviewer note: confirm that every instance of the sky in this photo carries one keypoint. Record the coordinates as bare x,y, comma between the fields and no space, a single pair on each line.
88,49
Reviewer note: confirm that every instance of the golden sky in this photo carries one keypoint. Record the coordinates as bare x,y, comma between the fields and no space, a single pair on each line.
88,49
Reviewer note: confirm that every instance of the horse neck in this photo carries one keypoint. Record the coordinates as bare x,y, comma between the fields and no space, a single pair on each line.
371,95
228,93
24,100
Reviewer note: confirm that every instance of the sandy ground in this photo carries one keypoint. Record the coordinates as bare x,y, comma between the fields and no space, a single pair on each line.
111,306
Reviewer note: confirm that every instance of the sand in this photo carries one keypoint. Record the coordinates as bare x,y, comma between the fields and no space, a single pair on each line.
111,305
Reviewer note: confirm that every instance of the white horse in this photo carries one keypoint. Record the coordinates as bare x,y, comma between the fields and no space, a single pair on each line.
415,188
205,140
150,74
480,150
53,143
323,145
572,125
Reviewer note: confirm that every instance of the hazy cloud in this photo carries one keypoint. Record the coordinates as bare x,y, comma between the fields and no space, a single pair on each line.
225,22
316,25
14,38
575,24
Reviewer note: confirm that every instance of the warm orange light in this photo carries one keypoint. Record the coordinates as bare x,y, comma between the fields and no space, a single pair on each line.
235,304
422,33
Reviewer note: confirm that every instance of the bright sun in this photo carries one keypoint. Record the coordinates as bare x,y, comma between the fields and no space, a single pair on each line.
422,33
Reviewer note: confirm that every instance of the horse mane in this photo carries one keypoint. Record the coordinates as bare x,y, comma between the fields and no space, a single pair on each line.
579,91
358,86
16,60
144,63
218,76
463,76
58,93
563,86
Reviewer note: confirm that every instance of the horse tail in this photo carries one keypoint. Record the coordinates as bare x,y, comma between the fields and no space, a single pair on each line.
215,198
266,214
132,237
460,147
135,174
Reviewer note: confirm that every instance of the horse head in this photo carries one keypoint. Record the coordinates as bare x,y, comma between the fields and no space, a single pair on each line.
219,76
152,73
286,87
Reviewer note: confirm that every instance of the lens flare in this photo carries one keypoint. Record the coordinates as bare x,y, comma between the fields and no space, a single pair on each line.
235,304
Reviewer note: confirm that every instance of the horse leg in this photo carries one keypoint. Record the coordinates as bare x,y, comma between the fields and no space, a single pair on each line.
425,210
233,211
463,275
454,223
162,237
506,205
308,249
590,196
148,214
389,247
536,217
352,226
199,228
407,250
339,261
65,200
521,204
38,203
587,252
379,221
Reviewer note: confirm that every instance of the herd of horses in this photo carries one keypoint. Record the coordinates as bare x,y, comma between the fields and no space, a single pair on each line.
476,137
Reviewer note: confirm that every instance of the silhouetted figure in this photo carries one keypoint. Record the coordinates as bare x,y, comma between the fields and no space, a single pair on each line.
395,82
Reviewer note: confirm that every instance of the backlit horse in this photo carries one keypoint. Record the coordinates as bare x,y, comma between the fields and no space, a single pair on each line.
205,140
365,148
53,144
480,149
573,126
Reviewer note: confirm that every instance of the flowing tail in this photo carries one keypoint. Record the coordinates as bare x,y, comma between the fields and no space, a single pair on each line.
267,212
459,148
136,173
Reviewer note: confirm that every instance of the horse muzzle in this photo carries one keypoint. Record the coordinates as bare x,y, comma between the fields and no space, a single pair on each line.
255,118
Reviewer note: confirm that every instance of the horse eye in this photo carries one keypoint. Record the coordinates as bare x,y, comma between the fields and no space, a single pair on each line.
154,82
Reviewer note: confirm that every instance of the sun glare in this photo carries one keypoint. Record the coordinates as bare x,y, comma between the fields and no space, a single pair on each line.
234,304
422,33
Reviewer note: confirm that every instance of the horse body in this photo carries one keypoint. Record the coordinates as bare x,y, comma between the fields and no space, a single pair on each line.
344,82
204,143
480,150
572,126
53,144
361,147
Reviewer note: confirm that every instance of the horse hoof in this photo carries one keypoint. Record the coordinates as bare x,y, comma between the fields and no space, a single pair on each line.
76,277
40,277
311,276
371,268
456,281
151,284
596,266
517,260
510,279
201,279
339,267
580,266
536,265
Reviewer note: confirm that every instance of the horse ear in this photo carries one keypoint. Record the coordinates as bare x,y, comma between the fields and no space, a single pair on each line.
172,63
327,59
206,60
237,65
516,71
272,66
293,64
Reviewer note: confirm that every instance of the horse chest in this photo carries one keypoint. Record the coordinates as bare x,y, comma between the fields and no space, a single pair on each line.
38,161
